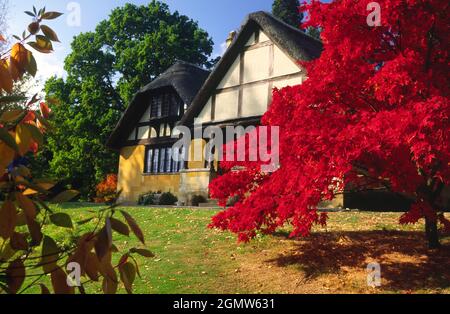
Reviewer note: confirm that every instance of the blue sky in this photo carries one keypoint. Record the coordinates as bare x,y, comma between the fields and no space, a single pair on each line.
218,18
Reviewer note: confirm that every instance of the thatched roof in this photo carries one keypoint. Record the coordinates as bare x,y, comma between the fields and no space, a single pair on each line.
291,40
185,78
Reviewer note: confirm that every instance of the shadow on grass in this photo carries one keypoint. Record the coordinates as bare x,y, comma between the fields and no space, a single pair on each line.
406,262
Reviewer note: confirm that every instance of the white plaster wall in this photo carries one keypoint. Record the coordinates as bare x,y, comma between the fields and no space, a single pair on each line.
143,133
205,114
153,133
263,37
254,101
232,76
227,105
288,82
168,130
255,96
282,64
146,116
256,64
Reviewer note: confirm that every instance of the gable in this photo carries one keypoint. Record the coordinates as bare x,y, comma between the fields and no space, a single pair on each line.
164,108
263,55
245,89
138,123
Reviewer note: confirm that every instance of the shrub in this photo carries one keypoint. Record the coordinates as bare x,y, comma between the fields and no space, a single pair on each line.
106,191
168,199
197,200
157,198
147,199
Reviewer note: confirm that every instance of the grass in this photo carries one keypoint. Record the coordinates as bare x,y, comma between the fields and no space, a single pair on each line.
190,258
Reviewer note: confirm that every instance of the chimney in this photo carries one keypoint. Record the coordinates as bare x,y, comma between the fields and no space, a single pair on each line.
231,38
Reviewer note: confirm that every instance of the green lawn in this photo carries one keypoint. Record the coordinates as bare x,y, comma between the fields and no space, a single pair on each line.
190,258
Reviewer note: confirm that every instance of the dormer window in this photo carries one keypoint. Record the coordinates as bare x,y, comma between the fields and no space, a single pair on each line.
165,105
156,104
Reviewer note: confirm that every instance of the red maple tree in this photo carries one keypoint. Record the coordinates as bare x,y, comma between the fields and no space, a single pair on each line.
373,112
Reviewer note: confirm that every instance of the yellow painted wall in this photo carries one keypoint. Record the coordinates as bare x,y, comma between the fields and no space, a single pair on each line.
197,158
133,182
194,182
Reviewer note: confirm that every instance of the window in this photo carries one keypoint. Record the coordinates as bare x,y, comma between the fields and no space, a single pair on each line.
182,158
148,161
166,100
175,164
155,161
175,106
168,160
162,163
163,160
156,104
165,105
179,156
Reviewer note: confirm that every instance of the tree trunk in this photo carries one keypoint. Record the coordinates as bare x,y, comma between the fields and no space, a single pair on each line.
431,232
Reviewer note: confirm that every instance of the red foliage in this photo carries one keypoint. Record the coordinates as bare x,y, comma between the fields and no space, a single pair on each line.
375,106
107,189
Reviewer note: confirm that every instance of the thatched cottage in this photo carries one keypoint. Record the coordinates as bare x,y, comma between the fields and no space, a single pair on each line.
263,55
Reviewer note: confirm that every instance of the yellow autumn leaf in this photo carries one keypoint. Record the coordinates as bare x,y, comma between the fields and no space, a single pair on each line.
23,139
14,70
20,59
44,186
42,44
6,81
19,53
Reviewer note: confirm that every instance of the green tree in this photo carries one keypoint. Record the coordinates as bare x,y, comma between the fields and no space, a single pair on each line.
314,32
288,11
28,257
105,68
